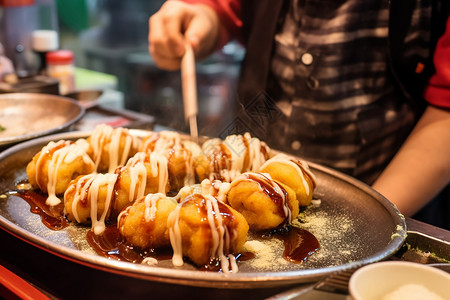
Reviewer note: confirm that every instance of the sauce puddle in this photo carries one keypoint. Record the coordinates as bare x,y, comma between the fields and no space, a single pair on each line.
51,216
299,244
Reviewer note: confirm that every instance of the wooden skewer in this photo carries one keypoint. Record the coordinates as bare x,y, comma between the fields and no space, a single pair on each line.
189,87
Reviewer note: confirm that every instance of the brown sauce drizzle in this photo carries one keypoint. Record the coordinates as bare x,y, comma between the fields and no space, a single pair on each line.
219,160
228,219
299,243
83,201
51,216
305,173
270,191
111,245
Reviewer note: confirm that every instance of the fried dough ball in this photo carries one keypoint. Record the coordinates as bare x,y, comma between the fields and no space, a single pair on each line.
144,224
52,169
202,228
266,204
179,153
91,198
87,197
216,188
149,171
294,173
227,159
111,147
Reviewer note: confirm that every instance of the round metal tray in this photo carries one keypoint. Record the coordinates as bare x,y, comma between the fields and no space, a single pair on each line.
353,223
29,115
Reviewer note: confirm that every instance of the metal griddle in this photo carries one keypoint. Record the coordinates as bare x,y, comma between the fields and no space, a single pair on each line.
357,226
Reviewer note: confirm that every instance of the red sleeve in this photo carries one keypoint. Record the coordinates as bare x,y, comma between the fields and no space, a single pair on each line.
229,12
437,92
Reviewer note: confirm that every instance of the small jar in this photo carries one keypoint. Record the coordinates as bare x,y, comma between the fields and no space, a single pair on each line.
60,65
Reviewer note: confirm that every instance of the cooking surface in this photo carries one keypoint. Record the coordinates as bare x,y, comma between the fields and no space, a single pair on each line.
353,224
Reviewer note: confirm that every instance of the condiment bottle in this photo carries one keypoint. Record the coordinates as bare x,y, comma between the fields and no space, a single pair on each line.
60,65
44,41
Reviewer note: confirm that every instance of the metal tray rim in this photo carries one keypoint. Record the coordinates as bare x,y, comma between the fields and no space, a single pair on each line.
198,278
15,139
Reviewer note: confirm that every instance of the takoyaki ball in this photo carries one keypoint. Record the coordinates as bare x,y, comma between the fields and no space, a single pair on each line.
258,151
148,171
227,159
181,169
266,204
203,228
111,147
214,161
91,199
144,223
294,173
179,152
52,169
216,188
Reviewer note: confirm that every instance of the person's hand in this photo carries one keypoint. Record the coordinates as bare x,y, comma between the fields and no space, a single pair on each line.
178,23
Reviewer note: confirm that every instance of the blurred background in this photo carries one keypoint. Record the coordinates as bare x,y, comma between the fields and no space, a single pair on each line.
109,42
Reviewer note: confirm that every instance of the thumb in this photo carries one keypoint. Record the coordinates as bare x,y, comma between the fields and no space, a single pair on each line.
201,36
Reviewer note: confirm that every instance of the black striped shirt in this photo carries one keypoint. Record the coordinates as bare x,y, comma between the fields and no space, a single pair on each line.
331,80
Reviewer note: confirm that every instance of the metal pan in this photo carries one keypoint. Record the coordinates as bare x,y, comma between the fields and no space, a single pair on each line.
354,225
87,98
29,115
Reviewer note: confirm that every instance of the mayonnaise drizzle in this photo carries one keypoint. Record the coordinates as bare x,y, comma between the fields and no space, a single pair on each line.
80,194
116,137
287,160
175,236
240,147
219,234
212,150
256,155
216,188
158,165
66,154
138,181
97,141
98,225
87,189
168,143
150,206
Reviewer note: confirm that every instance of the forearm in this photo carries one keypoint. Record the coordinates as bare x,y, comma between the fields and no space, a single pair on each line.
422,166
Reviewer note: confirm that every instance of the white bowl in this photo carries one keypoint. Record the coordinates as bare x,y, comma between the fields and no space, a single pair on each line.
378,280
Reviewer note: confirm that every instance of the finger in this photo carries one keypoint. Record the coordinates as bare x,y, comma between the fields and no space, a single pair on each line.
162,61
167,30
160,39
174,34
200,36
170,64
